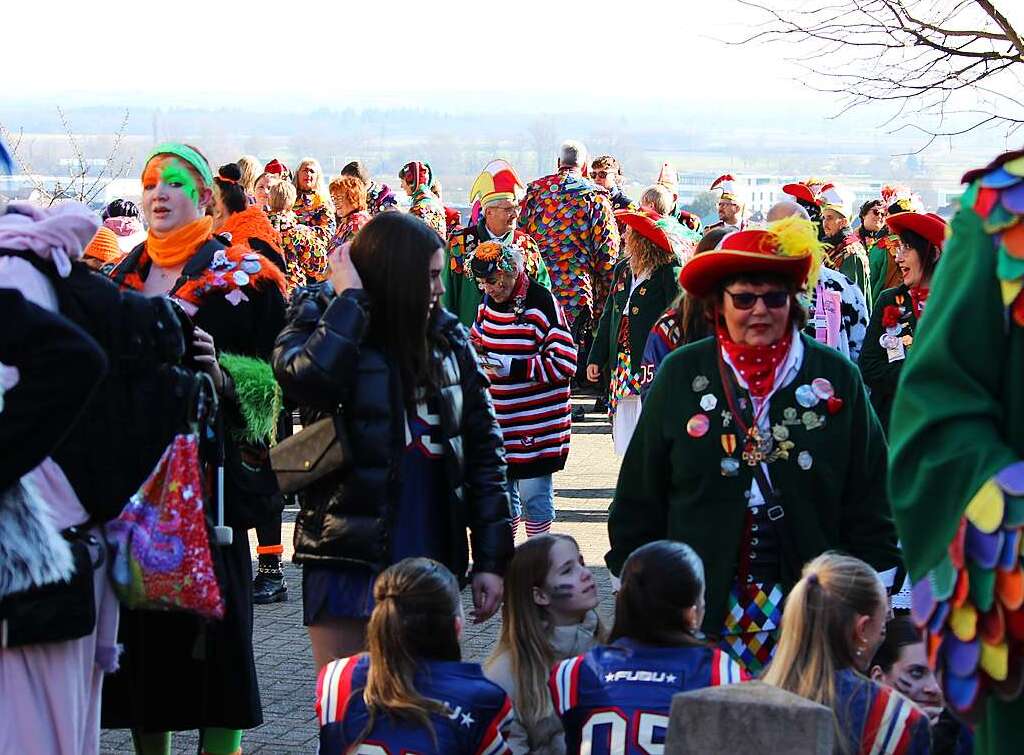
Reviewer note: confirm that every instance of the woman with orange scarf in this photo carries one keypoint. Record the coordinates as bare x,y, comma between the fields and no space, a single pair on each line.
178,671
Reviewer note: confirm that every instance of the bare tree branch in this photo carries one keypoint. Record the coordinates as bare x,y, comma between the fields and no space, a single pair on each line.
931,60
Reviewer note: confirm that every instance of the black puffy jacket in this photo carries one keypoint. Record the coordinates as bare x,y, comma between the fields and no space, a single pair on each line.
322,362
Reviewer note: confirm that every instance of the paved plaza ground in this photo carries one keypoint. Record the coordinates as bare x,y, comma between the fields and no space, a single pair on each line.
283,657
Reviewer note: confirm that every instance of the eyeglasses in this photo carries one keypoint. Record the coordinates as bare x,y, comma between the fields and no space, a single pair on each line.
878,212
771,299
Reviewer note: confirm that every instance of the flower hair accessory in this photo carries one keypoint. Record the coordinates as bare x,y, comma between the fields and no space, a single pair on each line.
493,256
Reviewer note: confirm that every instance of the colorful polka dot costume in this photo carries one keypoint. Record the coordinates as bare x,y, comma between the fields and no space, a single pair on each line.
572,222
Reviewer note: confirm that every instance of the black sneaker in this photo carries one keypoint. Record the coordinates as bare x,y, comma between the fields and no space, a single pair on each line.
578,413
269,587
601,405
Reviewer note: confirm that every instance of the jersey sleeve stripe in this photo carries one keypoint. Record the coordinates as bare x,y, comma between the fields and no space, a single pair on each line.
337,687
565,684
493,742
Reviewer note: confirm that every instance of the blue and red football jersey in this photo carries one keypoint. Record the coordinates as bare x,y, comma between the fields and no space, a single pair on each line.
479,712
877,719
615,699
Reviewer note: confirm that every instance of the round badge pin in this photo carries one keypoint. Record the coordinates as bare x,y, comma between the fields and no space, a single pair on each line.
708,402
804,460
697,426
251,266
822,388
780,432
730,467
700,383
806,397
240,277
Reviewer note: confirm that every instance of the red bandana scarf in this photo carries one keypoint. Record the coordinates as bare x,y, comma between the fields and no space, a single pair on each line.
919,295
756,364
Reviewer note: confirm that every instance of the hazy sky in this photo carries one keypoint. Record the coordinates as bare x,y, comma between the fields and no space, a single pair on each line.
382,52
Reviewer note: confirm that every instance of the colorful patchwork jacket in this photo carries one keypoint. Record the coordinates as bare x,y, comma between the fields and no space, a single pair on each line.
429,209
572,222
311,211
956,450
303,265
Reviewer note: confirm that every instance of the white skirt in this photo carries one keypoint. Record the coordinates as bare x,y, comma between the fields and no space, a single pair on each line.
627,414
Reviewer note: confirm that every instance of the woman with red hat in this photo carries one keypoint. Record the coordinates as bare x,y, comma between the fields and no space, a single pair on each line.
643,286
757,446
917,239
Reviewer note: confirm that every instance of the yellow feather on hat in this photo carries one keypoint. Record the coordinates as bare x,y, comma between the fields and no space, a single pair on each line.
796,237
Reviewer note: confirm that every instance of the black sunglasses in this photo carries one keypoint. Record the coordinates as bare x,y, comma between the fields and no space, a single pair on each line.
771,299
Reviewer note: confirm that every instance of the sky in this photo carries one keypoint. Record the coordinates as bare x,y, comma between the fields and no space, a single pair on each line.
374,53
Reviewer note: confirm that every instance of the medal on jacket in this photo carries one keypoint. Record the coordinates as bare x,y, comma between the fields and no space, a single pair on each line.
757,446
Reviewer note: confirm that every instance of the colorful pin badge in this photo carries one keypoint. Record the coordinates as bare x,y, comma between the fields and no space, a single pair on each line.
700,384
822,388
780,432
730,467
811,420
726,418
790,416
834,404
806,397
708,402
241,277
805,460
729,443
697,426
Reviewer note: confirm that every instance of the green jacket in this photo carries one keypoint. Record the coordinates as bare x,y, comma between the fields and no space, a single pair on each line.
647,304
671,485
880,375
958,419
884,272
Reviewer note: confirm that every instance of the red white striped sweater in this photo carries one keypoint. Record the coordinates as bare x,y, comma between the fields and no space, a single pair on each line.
532,402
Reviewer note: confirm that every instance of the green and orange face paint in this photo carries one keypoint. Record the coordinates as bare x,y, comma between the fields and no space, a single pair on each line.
173,172
178,165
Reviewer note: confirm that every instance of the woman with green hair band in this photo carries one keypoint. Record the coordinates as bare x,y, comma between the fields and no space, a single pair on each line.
178,671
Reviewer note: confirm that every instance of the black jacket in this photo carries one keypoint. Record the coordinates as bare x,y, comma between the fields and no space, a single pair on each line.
322,362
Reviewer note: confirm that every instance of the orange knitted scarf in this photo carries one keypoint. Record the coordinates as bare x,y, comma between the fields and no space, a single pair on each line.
180,244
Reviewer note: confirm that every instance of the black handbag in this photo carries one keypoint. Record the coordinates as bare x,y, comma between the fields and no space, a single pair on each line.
317,450
59,611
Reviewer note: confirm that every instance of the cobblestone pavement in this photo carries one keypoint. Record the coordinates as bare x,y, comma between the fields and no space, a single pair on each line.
283,657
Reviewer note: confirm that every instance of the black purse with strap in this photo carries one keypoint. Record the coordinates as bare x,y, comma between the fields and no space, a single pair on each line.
319,449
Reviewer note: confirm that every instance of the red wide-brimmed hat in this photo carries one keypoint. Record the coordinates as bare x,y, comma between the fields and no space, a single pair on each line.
644,222
926,224
787,248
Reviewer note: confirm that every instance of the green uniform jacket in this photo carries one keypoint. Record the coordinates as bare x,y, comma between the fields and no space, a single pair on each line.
649,301
851,259
671,484
880,375
958,416
462,295
884,272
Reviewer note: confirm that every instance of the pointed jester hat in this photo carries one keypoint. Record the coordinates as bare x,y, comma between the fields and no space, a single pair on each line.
497,181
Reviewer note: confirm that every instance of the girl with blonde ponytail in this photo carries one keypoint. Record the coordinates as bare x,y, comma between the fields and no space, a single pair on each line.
833,623
548,615
411,692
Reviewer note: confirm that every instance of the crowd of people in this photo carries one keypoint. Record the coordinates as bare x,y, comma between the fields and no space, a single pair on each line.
820,485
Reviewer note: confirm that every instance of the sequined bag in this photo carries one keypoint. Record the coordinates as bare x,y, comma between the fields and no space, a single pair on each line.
160,542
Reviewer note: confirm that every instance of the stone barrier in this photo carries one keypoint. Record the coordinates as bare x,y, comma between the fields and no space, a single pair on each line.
752,718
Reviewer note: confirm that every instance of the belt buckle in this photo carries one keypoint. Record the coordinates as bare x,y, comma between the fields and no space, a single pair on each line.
775,513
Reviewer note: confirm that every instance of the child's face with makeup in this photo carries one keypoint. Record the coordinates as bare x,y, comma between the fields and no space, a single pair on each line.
171,194
569,590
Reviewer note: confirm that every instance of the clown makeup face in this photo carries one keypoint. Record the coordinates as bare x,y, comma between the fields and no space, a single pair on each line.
498,285
172,194
500,217
911,676
307,177
832,222
728,212
569,590
262,189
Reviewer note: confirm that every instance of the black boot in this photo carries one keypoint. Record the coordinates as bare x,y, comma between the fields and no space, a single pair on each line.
269,585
